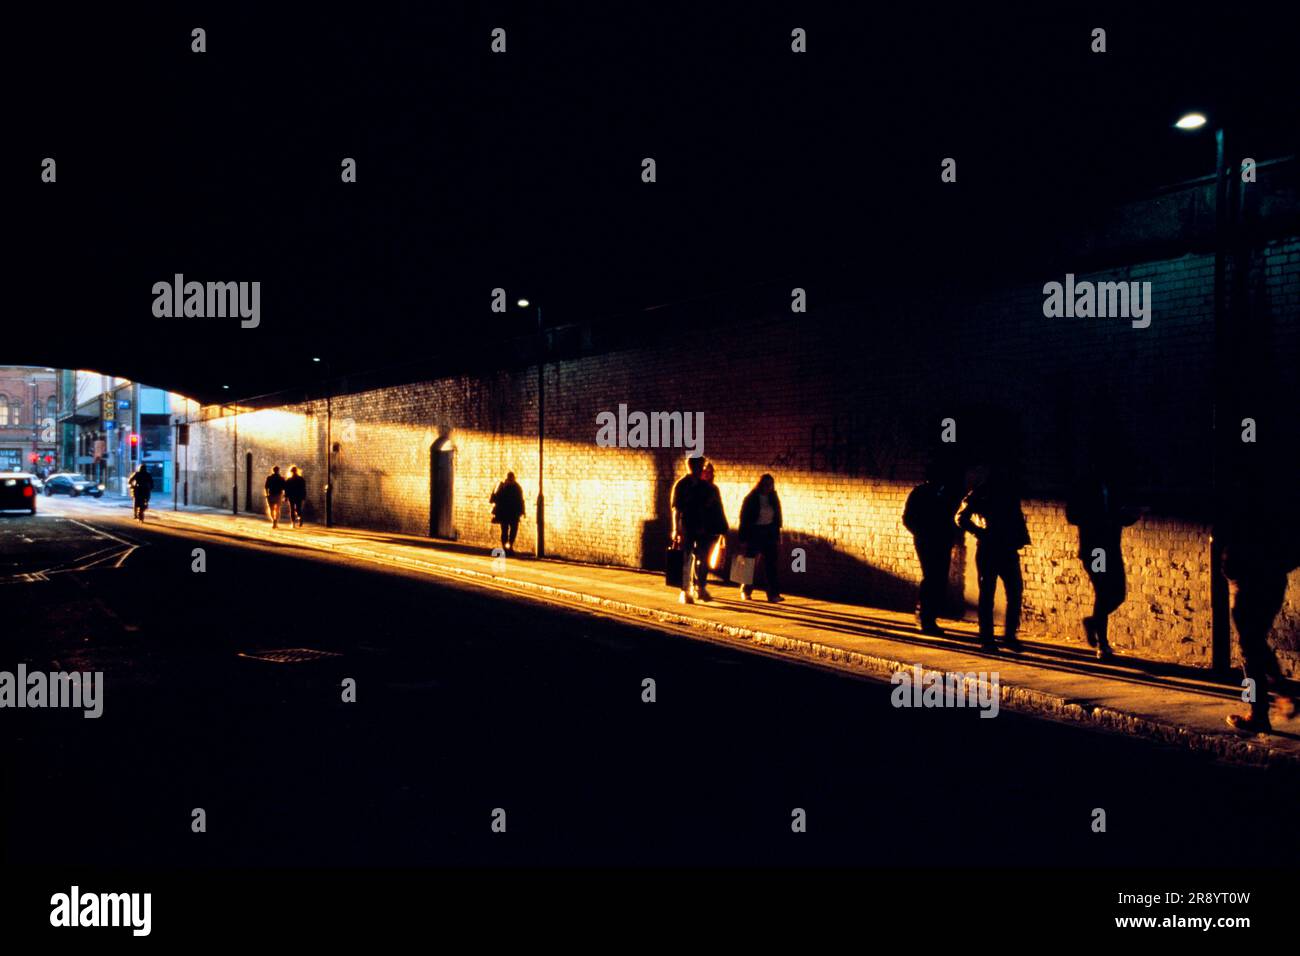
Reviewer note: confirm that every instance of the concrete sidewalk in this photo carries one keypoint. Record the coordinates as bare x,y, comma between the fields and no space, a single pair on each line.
1165,703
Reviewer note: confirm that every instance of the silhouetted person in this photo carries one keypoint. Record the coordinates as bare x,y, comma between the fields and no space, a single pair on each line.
507,509
760,534
1260,549
295,490
691,501
991,513
141,483
928,515
273,489
1097,508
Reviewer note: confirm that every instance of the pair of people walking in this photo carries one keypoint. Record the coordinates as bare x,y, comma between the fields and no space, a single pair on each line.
278,489
699,518
990,512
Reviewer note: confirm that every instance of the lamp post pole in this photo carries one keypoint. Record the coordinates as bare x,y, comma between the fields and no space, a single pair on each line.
1225,355
541,437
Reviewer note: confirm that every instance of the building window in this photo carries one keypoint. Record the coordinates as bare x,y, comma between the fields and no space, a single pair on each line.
4,409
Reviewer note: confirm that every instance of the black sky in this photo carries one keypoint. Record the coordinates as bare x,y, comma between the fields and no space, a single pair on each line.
523,170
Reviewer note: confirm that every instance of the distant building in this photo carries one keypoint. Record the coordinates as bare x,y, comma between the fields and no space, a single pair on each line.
28,412
111,425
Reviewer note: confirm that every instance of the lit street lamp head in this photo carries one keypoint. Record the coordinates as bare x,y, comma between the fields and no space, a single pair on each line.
1191,121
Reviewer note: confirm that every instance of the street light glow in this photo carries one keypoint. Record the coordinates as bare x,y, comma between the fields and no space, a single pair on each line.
522,303
1191,121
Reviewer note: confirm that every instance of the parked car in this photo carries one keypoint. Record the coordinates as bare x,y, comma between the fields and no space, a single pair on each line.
68,483
16,492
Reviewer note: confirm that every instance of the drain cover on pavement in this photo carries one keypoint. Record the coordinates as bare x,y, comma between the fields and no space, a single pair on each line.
289,655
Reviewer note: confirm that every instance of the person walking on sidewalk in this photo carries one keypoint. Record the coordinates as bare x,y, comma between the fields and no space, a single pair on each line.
507,508
141,483
274,491
1098,511
690,504
295,490
1261,547
991,513
928,515
760,535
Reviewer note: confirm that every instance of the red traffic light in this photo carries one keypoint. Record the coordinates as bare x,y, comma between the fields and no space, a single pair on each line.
135,438
34,458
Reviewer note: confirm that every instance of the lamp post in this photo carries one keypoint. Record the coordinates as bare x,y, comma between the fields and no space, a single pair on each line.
541,431
329,443
234,461
1224,357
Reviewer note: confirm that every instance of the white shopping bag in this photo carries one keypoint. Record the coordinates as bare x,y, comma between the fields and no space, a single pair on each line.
742,571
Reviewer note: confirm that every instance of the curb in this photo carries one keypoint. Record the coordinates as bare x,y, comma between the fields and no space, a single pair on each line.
1224,746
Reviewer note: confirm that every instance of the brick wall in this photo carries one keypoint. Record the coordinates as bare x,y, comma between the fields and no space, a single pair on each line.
844,407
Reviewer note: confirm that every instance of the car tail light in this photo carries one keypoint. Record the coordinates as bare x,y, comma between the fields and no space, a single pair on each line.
28,492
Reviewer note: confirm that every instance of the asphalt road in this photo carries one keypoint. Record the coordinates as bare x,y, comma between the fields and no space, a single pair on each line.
468,700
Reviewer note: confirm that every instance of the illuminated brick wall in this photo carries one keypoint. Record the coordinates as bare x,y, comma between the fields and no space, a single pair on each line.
846,421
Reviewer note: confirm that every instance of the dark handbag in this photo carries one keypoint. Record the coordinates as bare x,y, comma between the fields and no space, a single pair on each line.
673,567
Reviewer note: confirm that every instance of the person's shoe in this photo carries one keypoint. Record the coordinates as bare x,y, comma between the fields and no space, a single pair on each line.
775,598
1012,644
705,596
1248,724
987,644
745,595
685,598
1104,652
933,629
1088,633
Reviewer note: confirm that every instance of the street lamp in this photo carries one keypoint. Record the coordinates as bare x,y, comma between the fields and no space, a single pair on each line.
329,440
1220,628
541,430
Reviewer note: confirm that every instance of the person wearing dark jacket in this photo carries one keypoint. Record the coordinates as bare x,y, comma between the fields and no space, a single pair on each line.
1261,546
693,517
295,490
928,515
507,508
141,483
760,535
991,513
273,489
1097,509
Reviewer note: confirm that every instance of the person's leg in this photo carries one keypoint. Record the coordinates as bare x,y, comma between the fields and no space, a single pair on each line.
688,570
1109,588
1014,586
702,545
772,565
514,530
1257,602
986,570
935,561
